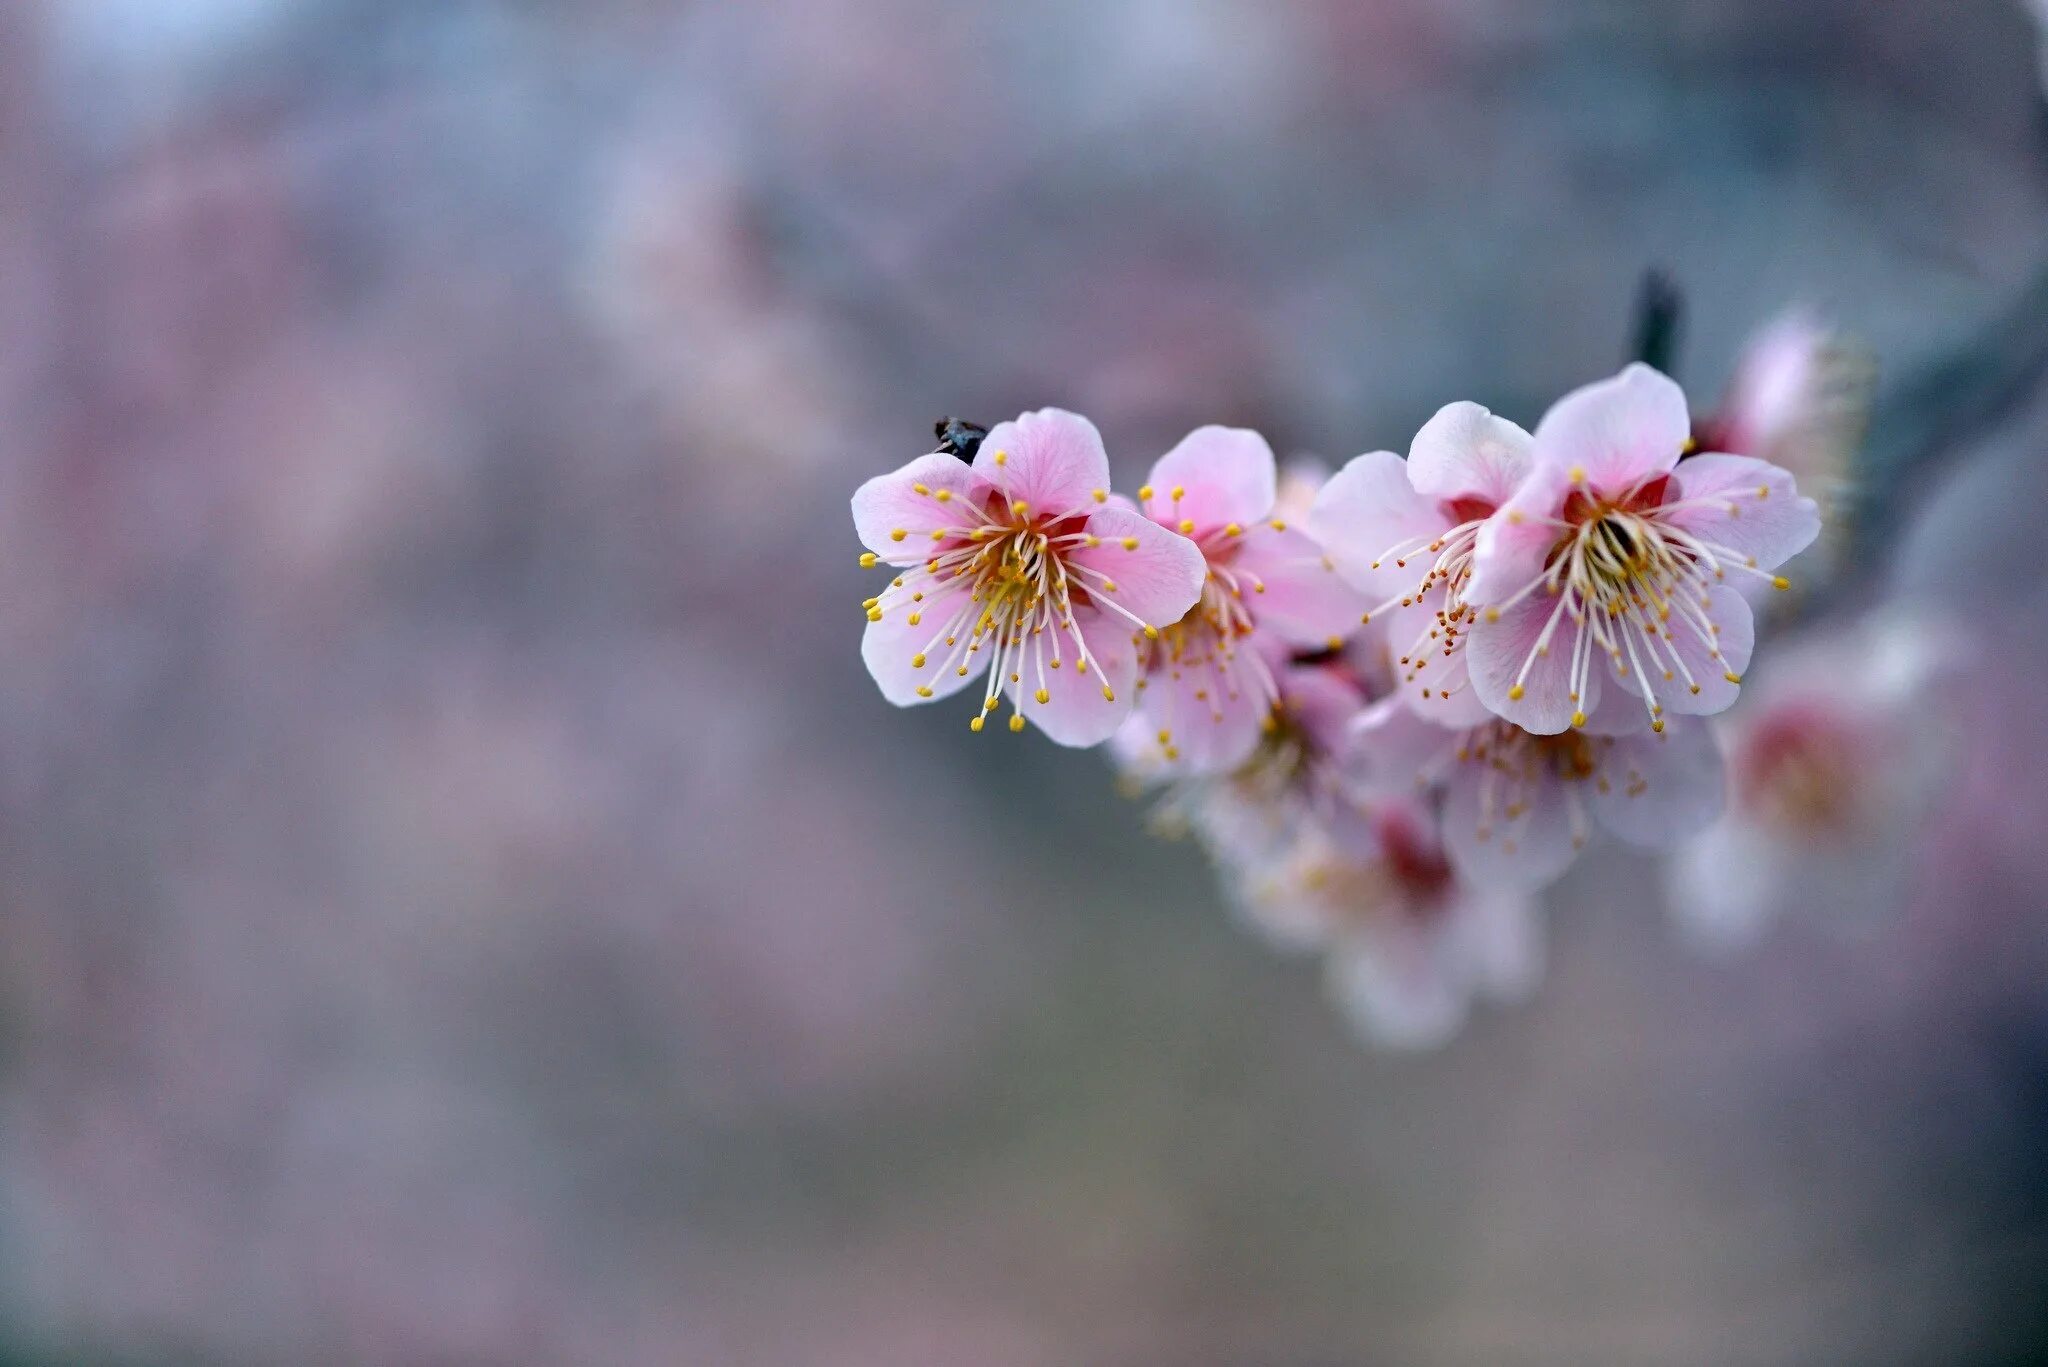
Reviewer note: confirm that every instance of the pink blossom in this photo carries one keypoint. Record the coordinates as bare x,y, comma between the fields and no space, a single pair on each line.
1837,759
1614,547
1408,944
1404,531
1519,806
1205,687
1019,567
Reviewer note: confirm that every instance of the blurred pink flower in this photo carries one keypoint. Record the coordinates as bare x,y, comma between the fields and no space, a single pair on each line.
1205,689
1409,945
1382,518
1798,398
1518,807
1002,559
1838,757
1613,546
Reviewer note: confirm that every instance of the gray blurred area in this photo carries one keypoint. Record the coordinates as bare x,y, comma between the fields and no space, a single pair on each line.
462,900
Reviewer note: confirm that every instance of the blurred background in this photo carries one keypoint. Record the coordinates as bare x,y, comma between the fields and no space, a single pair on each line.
462,901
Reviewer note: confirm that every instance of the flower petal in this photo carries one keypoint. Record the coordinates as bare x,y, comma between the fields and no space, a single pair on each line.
1504,644
896,521
1466,452
1076,711
893,646
1389,749
1208,706
1157,574
1367,509
1619,432
1227,474
1709,658
1514,544
1293,589
1657,789
1440,689
1051,459
1749,506
1495,850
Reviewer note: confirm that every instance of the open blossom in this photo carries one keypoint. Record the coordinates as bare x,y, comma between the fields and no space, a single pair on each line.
1405,532
1408,945
1020,568
1616,564
1838,757
1205,686
1519,806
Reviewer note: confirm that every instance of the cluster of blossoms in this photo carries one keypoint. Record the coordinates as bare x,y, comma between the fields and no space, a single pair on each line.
1394,704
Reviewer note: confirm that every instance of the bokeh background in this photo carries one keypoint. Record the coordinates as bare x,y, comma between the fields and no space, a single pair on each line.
461,900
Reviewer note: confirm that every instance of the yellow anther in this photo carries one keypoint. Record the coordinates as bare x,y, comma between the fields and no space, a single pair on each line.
1578,719
1002,457
1172,753
1493,614
1658,726
1130,543
1179,492
1020,507
1151,632
920,488
1108,694
989,705
944,496
923,692
898,534
1099,495
1080,666
917,660
1109,586
1578,474
938,533
1053,663
1278,525
871,603
1763,491
1145,494
1042,696
1364,618
868,560
874,614
1016,721
1515,516
1335,643
1232,529
1695,689
974,724
1780,582
916,617
1165,736
962,671
1515,693
1732,677
1187,524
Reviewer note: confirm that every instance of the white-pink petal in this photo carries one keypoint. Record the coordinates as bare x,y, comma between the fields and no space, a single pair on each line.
1292,587
1658,788
1224,475
1619,432
1157,574
895,514
1464,451
1501,655
1051,459
1367,509
1078,712
1749,506
904,656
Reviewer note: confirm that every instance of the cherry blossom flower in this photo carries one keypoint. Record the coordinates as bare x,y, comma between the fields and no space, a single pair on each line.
1518,806
1205,689
1405,532
1838,759
1408,944
1616,558
1019,567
